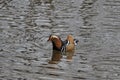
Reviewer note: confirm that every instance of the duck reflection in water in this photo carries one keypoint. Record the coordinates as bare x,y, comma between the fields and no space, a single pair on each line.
56,57
61,48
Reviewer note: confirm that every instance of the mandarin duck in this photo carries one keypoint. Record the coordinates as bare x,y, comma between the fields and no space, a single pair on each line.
63,46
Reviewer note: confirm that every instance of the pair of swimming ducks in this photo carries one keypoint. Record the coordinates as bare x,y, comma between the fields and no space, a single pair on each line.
63,46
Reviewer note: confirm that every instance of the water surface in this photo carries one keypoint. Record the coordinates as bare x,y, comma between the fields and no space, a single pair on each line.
25,26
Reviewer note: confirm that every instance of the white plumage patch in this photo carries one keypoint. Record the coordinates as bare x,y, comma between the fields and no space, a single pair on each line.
68,42
76,41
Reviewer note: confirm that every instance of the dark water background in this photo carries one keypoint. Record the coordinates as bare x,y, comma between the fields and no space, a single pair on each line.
26,24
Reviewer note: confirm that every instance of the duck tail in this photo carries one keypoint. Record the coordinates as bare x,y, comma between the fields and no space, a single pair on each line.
76,41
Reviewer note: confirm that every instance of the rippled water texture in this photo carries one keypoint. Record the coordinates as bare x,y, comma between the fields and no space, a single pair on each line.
25,26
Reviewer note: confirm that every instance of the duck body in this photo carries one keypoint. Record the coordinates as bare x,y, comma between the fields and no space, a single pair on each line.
63,46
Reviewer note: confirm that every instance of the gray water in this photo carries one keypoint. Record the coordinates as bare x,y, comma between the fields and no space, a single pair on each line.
25,26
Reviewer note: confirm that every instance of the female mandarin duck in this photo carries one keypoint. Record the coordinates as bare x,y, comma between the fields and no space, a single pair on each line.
63,46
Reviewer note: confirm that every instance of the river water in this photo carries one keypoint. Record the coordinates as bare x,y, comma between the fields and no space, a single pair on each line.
25,26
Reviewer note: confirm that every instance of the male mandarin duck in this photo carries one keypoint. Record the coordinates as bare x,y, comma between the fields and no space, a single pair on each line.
63,46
